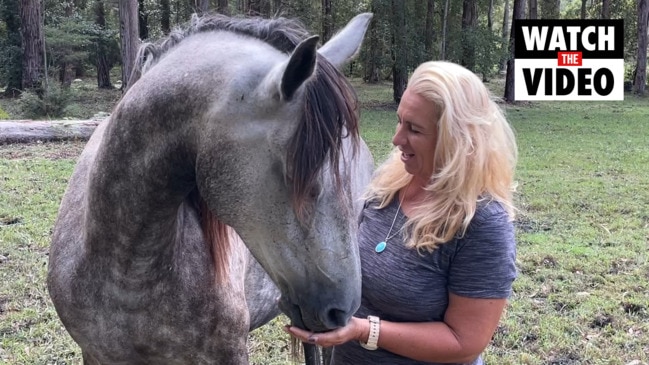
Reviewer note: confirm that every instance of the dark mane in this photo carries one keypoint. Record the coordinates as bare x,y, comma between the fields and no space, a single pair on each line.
330,114
282,33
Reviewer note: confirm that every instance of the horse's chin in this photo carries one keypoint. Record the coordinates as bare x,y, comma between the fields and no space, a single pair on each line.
293,312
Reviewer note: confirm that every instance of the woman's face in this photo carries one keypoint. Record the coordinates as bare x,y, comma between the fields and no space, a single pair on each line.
416,135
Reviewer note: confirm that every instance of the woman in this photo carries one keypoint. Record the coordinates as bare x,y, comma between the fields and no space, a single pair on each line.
436,235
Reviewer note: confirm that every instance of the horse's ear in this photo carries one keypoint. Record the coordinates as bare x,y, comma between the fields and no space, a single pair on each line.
300,67
344,46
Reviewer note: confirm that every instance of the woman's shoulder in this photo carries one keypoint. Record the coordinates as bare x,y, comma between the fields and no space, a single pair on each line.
490,216
489,209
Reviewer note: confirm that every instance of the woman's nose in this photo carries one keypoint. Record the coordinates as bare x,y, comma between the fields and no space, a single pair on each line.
398,139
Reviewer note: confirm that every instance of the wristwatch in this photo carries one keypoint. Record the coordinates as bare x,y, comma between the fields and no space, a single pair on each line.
373,339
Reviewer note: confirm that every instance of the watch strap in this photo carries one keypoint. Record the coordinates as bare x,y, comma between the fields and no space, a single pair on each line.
373,339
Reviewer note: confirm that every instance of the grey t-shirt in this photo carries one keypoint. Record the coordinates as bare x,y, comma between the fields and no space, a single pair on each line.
402,285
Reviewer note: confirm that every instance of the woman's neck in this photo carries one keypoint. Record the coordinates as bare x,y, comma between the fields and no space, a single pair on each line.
411,196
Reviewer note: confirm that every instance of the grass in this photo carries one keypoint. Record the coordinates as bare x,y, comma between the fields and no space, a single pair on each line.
582,295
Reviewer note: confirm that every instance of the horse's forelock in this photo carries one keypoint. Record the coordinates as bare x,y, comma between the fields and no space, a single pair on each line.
330,114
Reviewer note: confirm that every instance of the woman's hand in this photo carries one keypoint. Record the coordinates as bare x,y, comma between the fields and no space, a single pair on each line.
356,330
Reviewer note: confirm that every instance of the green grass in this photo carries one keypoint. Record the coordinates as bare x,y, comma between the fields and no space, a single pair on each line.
582,295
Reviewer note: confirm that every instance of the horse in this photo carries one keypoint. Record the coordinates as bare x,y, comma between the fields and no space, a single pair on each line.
222,188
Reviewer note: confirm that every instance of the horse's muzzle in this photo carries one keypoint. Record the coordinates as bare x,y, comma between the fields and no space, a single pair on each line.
329,319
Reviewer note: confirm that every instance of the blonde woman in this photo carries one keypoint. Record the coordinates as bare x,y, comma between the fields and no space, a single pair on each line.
436,235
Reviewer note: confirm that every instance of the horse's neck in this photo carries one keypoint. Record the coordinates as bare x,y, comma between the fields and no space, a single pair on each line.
135,189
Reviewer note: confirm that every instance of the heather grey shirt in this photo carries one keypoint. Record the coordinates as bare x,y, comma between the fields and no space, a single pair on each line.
401,285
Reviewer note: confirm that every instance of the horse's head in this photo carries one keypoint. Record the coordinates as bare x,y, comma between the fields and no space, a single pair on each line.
276,163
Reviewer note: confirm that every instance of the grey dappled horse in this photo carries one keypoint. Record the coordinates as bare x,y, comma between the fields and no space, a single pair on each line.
237,123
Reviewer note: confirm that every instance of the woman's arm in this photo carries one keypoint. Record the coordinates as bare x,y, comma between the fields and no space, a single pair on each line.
468,326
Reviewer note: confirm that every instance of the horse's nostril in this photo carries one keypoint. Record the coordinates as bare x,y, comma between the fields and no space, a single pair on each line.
336,318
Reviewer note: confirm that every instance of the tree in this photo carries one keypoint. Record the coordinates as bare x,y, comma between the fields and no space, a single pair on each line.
640,81
327,21
102,41
128,30
518,13
203,6
469,23
399,55
490,16
551,9
583,9
442,46
11,72
533,9
371,52
165,16
31,17
429,33
259,7
222,7
143,20
606,9
504,36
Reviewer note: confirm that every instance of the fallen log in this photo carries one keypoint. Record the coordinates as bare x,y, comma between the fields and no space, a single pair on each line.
23,131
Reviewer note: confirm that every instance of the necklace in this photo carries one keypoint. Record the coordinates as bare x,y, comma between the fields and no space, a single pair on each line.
383,244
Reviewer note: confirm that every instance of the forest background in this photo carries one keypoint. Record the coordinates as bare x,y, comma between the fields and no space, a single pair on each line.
46,44
583,225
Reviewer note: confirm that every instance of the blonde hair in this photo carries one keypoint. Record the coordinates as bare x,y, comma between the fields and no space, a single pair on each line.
474,160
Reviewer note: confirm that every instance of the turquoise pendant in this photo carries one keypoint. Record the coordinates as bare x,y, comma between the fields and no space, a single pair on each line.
380,246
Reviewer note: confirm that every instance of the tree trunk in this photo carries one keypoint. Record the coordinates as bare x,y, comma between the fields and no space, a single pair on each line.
66,74
583,9
128,29
372,73
222,7
31,17
490,16
640,81
203,6
469,23
259,8
430,31
327,21
103,68
399,54
442,46
606,9
551,9
165,16
518,13
533,12
13,66
23,131
143,20
504,36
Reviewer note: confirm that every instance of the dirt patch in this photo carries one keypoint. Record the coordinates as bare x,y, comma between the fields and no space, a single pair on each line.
47,150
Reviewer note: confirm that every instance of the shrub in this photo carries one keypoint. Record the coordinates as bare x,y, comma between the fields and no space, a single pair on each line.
3,114
51,104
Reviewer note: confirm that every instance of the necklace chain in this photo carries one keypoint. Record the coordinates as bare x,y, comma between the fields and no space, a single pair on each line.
388,236
383,244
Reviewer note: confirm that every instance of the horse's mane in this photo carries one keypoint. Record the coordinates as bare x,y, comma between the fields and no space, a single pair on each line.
282,33
330,114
